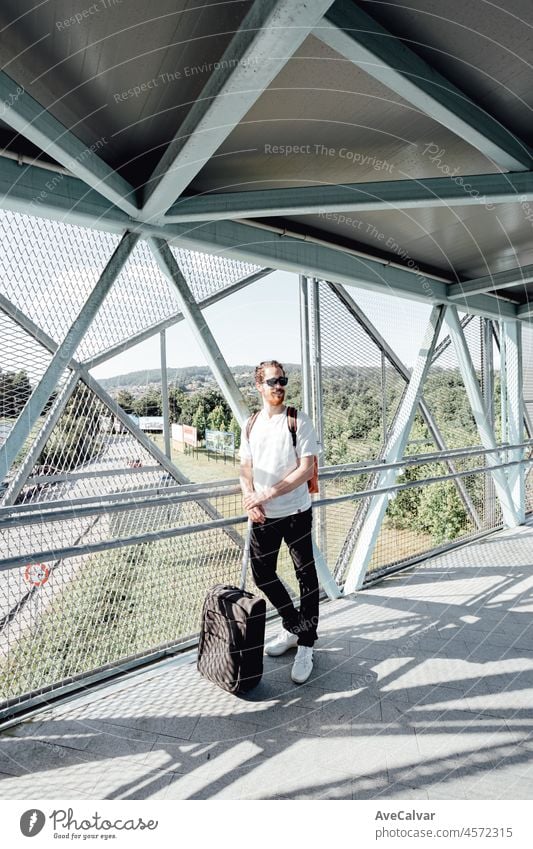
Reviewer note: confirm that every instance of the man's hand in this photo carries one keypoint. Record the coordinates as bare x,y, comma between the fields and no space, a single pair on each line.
256,515
255,499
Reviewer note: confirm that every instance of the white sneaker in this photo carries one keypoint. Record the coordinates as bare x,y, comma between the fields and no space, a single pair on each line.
303,665
282,643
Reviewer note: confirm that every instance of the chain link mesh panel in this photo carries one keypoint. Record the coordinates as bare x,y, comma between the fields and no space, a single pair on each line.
88,453
360,388
207,274
419,518
49,268
140,297
88,611
71,616
24,362
445,391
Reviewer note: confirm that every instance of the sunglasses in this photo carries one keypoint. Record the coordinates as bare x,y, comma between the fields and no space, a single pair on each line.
272,381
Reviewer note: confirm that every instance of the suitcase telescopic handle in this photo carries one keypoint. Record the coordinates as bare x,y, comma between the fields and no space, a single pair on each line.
245,555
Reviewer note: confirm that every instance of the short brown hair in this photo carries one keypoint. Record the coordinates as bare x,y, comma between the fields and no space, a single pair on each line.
260,369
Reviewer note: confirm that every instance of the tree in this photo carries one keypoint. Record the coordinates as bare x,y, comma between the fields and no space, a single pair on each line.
149,404
199,421
441,512
176,402
216,420
235,429
126,400
78,437
15,389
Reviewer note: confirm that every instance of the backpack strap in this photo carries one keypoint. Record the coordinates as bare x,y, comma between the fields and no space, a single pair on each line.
251,421
292,423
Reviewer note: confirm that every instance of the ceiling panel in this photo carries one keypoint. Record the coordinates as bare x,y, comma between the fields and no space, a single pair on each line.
126,73
324,120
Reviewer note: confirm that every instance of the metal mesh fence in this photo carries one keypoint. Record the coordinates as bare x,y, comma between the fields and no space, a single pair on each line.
39,258
68,615
360,388
140,297
420,517
87,584
207,274
99,608
87,453
444,389
24,362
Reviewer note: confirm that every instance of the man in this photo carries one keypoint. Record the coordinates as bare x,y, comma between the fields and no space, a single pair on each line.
274,475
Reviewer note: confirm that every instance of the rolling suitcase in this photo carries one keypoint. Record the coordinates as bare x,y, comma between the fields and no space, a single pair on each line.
232,636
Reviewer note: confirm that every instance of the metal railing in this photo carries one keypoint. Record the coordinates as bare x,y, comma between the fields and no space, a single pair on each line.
96,584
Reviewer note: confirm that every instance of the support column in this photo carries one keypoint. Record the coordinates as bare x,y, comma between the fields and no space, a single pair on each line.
394,451
486,433
503,384
61,359
199,327
305,345
164,394
512,342
316,364
312,398
383,396
318,415
487,388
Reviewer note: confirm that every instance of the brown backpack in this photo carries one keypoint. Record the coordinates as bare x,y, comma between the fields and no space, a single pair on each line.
292,424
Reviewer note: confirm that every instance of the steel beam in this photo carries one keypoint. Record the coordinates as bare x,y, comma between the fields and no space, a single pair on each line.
28,118
61,358
303,255
198,325
316,366
312,402
476,190
272,247
487,390
266,39
475,397
374,334
446,342
528,424
393,452
512,341
492,282
305,345
352,33
503,385
31,189
525,311
317,405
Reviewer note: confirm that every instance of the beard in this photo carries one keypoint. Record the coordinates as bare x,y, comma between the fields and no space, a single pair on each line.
276,399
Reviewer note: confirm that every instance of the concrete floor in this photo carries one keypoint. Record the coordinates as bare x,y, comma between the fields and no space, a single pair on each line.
422,689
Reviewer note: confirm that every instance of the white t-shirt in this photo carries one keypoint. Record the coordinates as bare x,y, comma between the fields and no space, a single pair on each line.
274,457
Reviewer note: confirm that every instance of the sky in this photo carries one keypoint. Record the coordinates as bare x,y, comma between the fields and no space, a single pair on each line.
262,322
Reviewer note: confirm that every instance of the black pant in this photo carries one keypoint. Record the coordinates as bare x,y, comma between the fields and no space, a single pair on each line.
265,542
